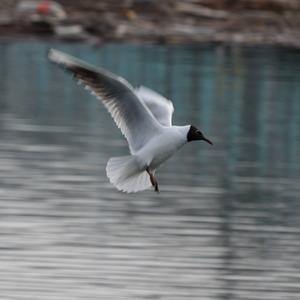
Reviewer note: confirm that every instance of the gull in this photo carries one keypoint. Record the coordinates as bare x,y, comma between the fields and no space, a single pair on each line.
143,116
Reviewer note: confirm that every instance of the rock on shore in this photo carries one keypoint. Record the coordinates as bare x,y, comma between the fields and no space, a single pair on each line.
274,22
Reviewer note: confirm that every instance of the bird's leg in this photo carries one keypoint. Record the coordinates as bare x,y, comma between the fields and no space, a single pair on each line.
153,180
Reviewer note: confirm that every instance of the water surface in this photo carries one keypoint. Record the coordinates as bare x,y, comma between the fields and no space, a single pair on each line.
226,223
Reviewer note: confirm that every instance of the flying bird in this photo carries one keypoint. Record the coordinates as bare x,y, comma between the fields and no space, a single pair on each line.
143,116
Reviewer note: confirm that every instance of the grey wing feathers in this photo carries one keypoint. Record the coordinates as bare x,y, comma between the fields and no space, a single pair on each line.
161,108
130,114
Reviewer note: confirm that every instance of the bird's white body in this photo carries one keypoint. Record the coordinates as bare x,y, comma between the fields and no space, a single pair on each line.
143,116
162,146
128,173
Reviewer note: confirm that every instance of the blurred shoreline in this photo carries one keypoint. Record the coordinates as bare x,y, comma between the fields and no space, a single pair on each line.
247,22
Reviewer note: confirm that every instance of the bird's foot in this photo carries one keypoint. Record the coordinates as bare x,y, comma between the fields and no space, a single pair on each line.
156,185
153,181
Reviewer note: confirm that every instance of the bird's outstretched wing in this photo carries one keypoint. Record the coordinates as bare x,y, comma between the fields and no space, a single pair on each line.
161,107
131,115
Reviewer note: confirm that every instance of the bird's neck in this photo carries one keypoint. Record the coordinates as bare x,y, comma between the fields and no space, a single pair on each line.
183,131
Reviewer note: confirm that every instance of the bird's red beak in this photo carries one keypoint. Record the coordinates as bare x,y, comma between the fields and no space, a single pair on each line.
208,141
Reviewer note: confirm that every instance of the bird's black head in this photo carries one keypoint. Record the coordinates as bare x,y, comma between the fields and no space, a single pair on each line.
195,134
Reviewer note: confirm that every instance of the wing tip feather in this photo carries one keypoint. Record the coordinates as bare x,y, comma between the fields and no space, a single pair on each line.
60,58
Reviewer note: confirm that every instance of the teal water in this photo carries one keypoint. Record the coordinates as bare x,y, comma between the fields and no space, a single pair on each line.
226,224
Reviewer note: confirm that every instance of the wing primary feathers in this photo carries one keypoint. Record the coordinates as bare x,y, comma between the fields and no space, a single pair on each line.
130,114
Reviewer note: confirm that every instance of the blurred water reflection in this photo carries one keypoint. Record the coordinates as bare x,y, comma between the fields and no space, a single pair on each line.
226,224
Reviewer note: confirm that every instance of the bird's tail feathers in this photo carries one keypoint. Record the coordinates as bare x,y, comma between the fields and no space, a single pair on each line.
124,174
